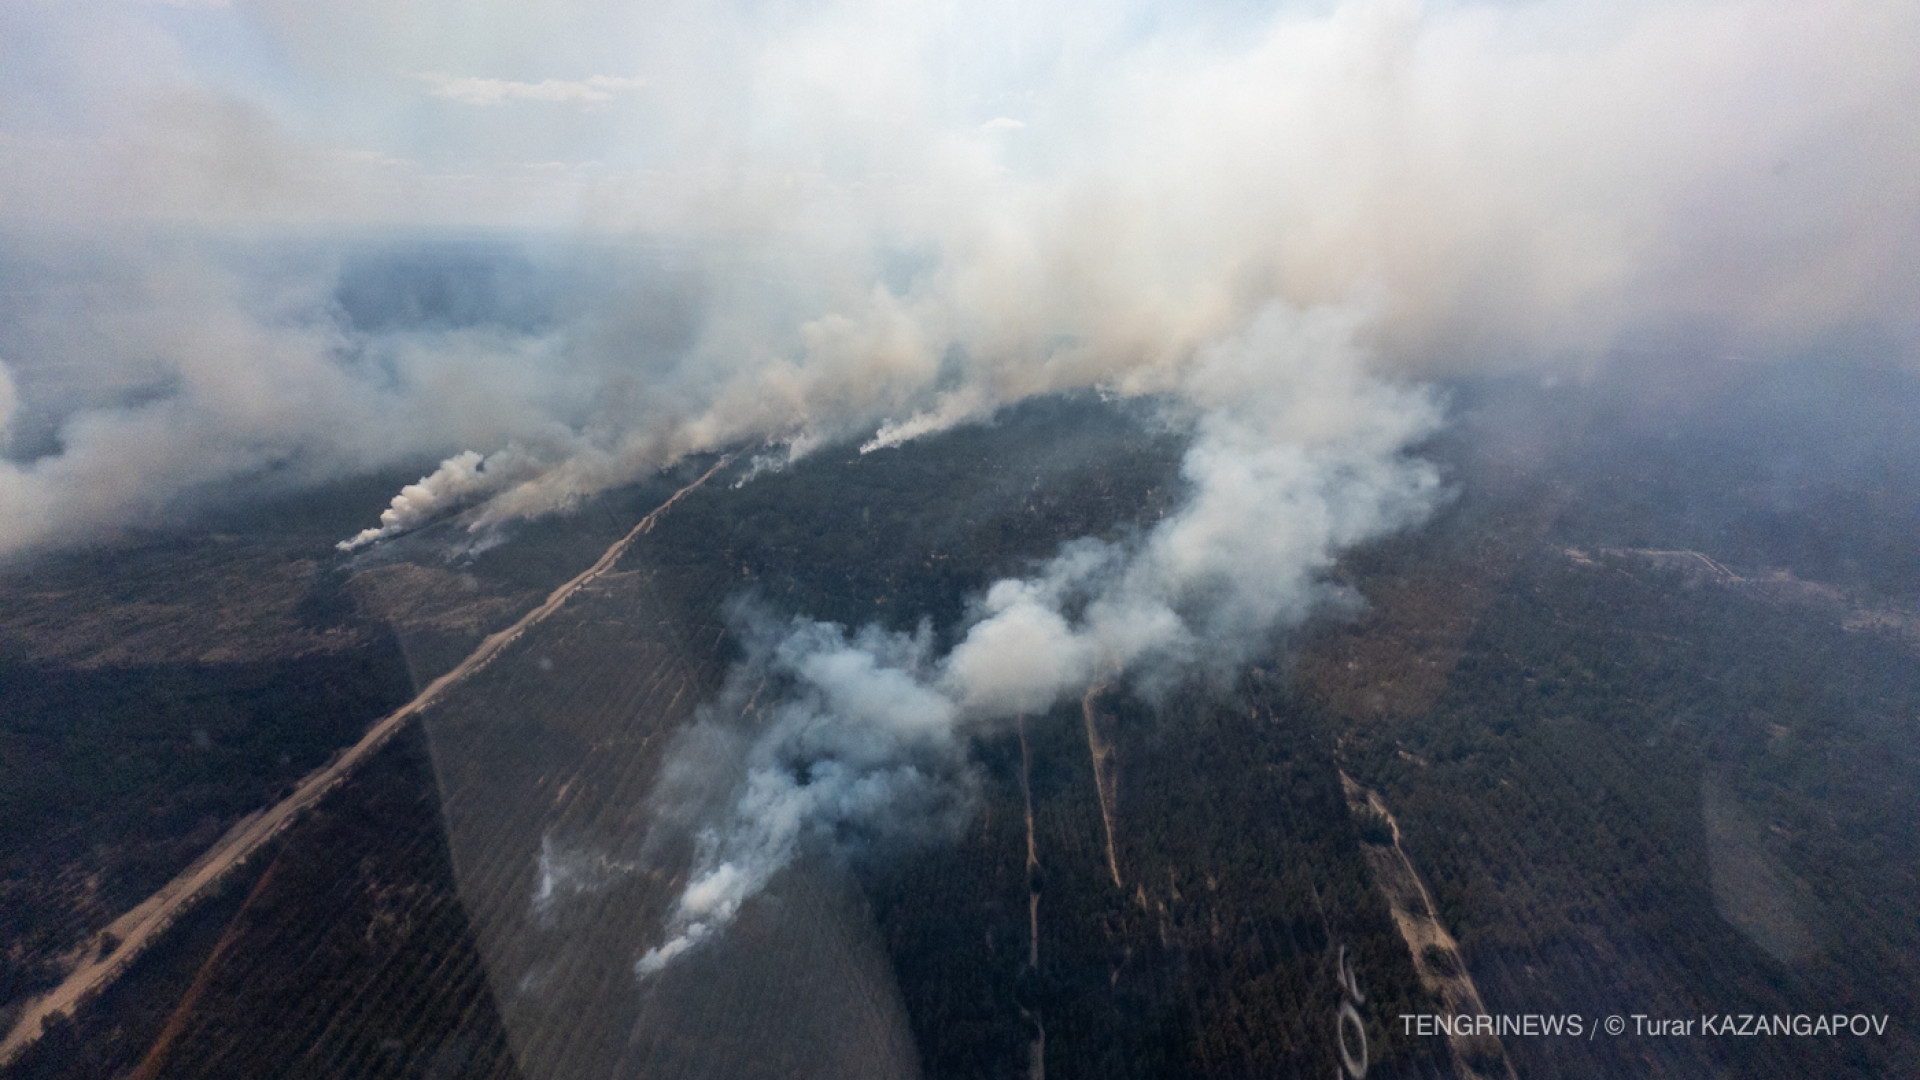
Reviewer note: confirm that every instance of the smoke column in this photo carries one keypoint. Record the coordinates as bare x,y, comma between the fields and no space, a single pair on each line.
1296,454
461,477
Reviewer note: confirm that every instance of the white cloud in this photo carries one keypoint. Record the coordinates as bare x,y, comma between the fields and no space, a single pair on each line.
1003,123
468,90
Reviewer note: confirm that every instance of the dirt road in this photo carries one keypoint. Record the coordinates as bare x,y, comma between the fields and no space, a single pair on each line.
140,927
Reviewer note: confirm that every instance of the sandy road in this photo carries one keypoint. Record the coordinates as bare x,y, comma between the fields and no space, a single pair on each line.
1037,1047
1475,1056
1101,748
141,926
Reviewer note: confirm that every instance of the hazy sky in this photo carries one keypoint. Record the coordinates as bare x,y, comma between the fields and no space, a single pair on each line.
900,214
1558,151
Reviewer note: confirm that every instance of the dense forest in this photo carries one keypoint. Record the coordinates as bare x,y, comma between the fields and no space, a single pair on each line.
1640,792
1634,780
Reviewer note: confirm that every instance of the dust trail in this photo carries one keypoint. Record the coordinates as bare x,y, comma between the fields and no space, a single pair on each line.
1103,771
143,925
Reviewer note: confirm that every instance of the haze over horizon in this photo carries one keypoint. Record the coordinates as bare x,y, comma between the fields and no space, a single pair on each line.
811,222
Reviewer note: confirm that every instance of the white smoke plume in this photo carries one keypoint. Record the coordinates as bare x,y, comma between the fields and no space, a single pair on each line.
1503,184
862,744
458,479
899,219
1297,454
157,373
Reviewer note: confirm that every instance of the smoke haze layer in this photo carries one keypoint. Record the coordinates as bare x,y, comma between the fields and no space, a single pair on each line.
885,218
1296,455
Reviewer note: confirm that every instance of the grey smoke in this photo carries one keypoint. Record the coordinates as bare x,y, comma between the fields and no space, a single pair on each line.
1296,455
1504,185
861,741
458,479
899,221
151,374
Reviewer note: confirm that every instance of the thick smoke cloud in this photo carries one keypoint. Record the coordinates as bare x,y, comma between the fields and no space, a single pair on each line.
1296,455
151,375
900,219
458,479
860,747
